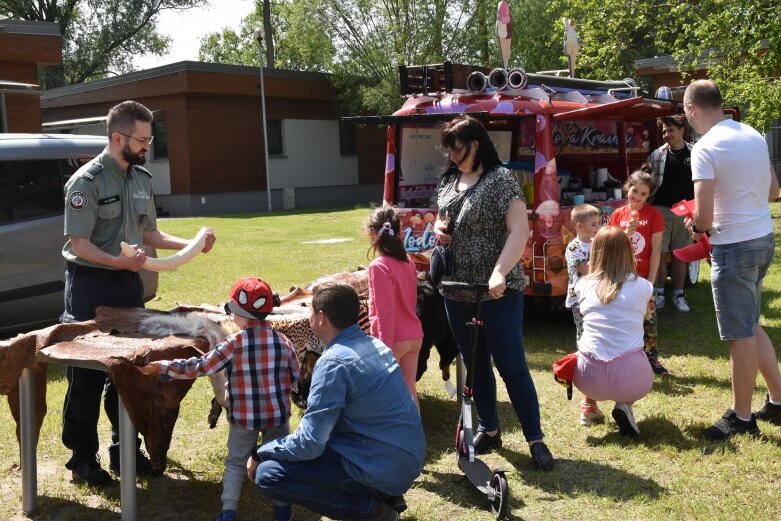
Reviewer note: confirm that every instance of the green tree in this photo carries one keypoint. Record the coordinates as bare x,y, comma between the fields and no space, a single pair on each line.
100,37
362,42
739,42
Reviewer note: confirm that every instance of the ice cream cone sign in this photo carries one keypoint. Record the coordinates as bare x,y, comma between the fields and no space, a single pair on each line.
504,31
571,44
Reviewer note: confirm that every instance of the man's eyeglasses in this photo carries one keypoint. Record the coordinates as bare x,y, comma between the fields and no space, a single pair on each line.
143,140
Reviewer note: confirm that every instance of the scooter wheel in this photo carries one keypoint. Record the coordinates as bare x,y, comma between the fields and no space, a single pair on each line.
460,445
501,500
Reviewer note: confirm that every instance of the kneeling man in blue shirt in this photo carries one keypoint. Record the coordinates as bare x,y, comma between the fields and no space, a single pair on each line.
360,441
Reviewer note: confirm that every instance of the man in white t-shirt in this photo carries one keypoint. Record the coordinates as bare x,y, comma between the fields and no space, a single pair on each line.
733,182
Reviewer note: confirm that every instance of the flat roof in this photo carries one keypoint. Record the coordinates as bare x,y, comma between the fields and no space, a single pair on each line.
178,67
29,27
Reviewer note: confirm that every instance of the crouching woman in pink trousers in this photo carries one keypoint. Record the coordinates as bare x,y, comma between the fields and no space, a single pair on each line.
613,300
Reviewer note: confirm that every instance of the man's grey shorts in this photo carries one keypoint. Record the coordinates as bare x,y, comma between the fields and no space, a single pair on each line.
675,233
736,277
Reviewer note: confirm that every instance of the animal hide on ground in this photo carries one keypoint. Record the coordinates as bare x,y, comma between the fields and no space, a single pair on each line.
120,338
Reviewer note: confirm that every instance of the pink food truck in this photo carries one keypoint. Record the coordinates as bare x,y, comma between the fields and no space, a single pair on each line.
566,139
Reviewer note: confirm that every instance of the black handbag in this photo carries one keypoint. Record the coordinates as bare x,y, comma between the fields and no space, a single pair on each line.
440,265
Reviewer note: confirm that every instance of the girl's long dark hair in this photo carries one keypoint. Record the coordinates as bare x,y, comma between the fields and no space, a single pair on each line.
386,224
464,129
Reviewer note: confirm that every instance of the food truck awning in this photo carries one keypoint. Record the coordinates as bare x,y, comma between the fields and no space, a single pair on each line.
632,109
437,117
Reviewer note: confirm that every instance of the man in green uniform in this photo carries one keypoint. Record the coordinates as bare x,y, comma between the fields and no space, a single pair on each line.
108,201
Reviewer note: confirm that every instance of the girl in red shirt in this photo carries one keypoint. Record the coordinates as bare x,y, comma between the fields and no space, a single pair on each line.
393,294
644,225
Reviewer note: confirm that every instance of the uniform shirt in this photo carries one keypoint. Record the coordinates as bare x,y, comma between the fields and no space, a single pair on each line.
650,221
108,206
735,157
481,232
393,299
359,407
262,369
610,330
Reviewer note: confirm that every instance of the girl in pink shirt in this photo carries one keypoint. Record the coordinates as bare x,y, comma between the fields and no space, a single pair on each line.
393,294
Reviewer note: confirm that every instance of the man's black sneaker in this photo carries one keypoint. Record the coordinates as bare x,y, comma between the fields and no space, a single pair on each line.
143,465
769,412
729,425
88,470
485,443
542,459
397,503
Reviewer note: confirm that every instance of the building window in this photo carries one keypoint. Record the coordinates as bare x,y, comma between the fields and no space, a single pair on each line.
275,143
347,146
160,144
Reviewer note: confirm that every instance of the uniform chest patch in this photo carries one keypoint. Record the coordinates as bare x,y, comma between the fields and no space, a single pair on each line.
77,200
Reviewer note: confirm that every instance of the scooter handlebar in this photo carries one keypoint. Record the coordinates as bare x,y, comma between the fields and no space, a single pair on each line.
476,286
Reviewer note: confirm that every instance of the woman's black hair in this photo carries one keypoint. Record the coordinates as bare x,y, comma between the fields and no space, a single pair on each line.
465,129
386,224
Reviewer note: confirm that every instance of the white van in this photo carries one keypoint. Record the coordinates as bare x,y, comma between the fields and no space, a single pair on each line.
33,171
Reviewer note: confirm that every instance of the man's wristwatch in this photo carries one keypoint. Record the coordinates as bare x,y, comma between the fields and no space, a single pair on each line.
696,230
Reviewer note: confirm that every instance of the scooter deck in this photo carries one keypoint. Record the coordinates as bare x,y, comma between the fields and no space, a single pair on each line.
478,473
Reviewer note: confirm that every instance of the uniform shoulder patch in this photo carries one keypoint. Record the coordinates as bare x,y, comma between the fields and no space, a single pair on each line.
142,169
77,200
93,170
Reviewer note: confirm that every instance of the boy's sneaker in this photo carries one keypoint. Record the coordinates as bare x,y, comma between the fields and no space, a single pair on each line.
658,368
88,470
227,515
680,302
283,513
769,412
590,414
659,301
627,426
484,443
729,425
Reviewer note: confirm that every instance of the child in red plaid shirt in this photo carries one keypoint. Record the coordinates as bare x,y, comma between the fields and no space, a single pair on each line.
262,368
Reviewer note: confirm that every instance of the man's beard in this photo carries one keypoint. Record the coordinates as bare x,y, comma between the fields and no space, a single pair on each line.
131,158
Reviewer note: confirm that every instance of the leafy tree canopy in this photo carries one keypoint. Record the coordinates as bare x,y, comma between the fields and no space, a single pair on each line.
737,41
362,42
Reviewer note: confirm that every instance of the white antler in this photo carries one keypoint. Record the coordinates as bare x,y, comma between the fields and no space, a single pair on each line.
171,262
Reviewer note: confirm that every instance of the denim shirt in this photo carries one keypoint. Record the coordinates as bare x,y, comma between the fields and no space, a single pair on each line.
359,407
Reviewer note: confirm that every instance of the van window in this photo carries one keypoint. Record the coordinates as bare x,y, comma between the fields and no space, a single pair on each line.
30,190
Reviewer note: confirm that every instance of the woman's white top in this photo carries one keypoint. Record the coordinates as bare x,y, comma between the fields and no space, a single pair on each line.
610,330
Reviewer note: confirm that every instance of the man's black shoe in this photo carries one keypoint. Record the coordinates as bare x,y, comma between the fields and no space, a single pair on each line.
769,412
88,470
485,443
397,503
729,425
143,465
542,459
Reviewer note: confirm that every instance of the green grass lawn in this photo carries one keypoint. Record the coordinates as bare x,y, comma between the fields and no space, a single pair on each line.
667,474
